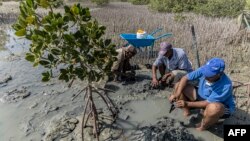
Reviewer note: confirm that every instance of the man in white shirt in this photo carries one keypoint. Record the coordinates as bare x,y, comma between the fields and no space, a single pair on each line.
172,63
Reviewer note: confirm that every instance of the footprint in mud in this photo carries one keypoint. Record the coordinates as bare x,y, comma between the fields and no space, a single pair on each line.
15,95
61,128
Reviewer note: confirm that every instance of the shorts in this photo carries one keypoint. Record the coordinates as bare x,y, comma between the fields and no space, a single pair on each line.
178,74
227,113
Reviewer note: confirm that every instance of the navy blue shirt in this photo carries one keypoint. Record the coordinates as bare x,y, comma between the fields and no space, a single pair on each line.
219,91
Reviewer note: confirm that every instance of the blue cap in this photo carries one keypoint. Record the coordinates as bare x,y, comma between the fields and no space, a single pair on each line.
213,67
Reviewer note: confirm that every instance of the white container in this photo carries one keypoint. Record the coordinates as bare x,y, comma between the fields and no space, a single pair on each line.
141,35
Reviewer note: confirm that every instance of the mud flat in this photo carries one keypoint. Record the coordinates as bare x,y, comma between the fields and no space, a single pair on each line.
32,110
44,111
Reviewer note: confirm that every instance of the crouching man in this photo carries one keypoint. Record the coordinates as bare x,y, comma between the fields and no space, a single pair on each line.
121,67
172,63
213,94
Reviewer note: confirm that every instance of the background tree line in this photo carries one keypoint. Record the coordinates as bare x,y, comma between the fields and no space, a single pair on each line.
213,8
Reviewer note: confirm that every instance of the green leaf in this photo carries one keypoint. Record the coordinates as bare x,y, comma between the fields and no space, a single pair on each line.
44,3
51,57
75,10
63,71
30,57
68,37
102,28
64,76
22,21
35,64
107,42
20,32
40,33
55,51
60,22
16,26
29,3
23,10
44,62
66,18
46,76
45,79
30,19
67,9
48,28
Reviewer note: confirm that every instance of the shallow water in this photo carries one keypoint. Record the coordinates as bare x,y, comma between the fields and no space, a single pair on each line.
148,110
10,130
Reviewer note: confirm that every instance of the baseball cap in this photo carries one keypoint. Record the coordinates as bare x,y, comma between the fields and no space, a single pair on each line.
213,67
164,48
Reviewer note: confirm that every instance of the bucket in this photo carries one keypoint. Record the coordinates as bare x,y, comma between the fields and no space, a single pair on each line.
141,34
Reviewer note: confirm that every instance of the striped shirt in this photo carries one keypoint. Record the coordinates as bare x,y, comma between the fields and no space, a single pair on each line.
179,61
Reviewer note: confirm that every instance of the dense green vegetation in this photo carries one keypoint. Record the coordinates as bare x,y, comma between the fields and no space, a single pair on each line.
84,52
175,5
214,8
218,8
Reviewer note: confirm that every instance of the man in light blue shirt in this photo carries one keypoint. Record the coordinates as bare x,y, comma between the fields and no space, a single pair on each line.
214,94
172,63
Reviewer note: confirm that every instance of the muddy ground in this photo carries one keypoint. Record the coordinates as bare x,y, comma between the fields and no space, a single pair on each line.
32,110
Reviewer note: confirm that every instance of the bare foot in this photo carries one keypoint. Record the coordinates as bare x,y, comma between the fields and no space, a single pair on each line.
202,112
199,127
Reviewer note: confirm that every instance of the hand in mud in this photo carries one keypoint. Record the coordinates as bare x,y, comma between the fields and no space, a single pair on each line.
172,98
181,103
155,83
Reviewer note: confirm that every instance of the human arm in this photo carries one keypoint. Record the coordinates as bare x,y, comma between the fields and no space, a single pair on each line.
178,90
192,104
157,63
183,82
155,82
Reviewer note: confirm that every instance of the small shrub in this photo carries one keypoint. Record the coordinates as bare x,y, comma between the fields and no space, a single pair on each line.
215,8
100,2
218,8
140,2
174,5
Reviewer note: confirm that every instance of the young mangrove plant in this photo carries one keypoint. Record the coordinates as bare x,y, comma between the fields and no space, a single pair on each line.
72,42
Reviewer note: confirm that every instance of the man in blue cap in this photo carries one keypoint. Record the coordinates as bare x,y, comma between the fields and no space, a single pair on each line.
214,93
